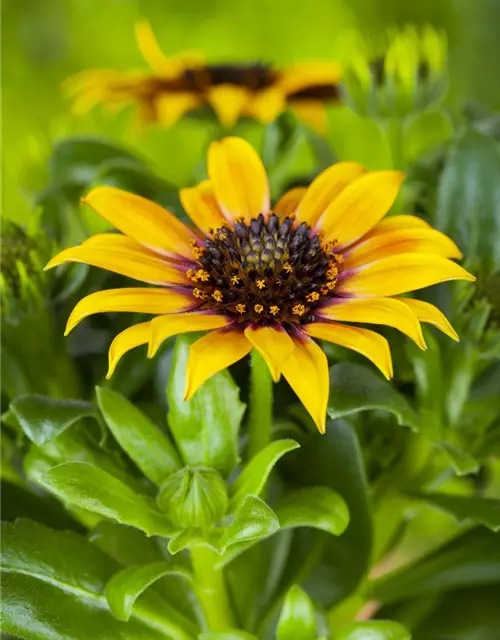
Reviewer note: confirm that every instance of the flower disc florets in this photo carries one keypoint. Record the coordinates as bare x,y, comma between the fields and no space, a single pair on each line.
269,270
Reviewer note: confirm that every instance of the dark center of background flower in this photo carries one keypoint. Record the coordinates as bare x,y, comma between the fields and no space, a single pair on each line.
269,270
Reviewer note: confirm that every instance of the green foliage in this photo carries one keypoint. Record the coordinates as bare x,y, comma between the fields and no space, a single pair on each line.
297,620
378,630
206,427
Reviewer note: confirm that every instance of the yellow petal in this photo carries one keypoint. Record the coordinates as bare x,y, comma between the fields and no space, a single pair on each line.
228,102
400,274
388,311
132,337
312,113
274,345
306,74
121,256
368,343
288,203
201,206
154,56
238,178
170,107
147,222
139,300
306,371
394,223
430,314
325,188
360,206
210,354
165,327
266,105
418,240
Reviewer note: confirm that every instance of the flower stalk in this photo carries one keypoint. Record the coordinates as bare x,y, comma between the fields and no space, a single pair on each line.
261,405
210,586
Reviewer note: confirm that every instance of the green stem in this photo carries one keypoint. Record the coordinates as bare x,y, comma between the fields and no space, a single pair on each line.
261,405
394,131
210,587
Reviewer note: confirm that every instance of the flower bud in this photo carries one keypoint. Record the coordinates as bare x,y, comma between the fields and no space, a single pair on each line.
407,76
194,497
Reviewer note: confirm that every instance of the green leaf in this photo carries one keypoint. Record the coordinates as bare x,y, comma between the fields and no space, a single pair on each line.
125,544
80,159
374,630
186,539
468,204
43,418
463,463
334,460
254,520
232,634
484,511
206,427
471,559
194,497
355,388
88,487
75,574
254,476
317,507
297,620
36,610
146,445
128,584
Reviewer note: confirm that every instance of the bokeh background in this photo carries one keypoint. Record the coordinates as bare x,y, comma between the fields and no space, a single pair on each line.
45,41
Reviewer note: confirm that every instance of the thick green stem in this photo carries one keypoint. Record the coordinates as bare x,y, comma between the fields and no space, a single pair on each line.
210,587
261,405
394,131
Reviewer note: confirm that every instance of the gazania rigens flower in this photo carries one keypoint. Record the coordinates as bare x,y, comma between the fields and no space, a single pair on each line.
179,85
268,278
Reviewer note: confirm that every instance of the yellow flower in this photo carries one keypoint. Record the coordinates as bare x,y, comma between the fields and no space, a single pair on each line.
339,220
176,86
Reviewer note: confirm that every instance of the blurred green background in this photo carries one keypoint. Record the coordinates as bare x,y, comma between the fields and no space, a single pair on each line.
44,41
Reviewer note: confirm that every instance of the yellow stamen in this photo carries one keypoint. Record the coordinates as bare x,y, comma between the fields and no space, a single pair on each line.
190,274
241,308
217,295
287,268
202,275
331,285
339,258
274,309
258,308
198,293
235,279
261,284
312,297
299,309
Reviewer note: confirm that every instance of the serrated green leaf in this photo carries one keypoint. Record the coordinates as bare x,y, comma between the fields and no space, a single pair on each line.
43,418
471,559
297,619
206,427
484,511
355,388
374,630
146,445
468,200
88,487
49,572
254,520
254,476
127,585
317,507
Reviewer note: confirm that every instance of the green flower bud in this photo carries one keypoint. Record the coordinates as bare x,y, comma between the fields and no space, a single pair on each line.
405,75
194,497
